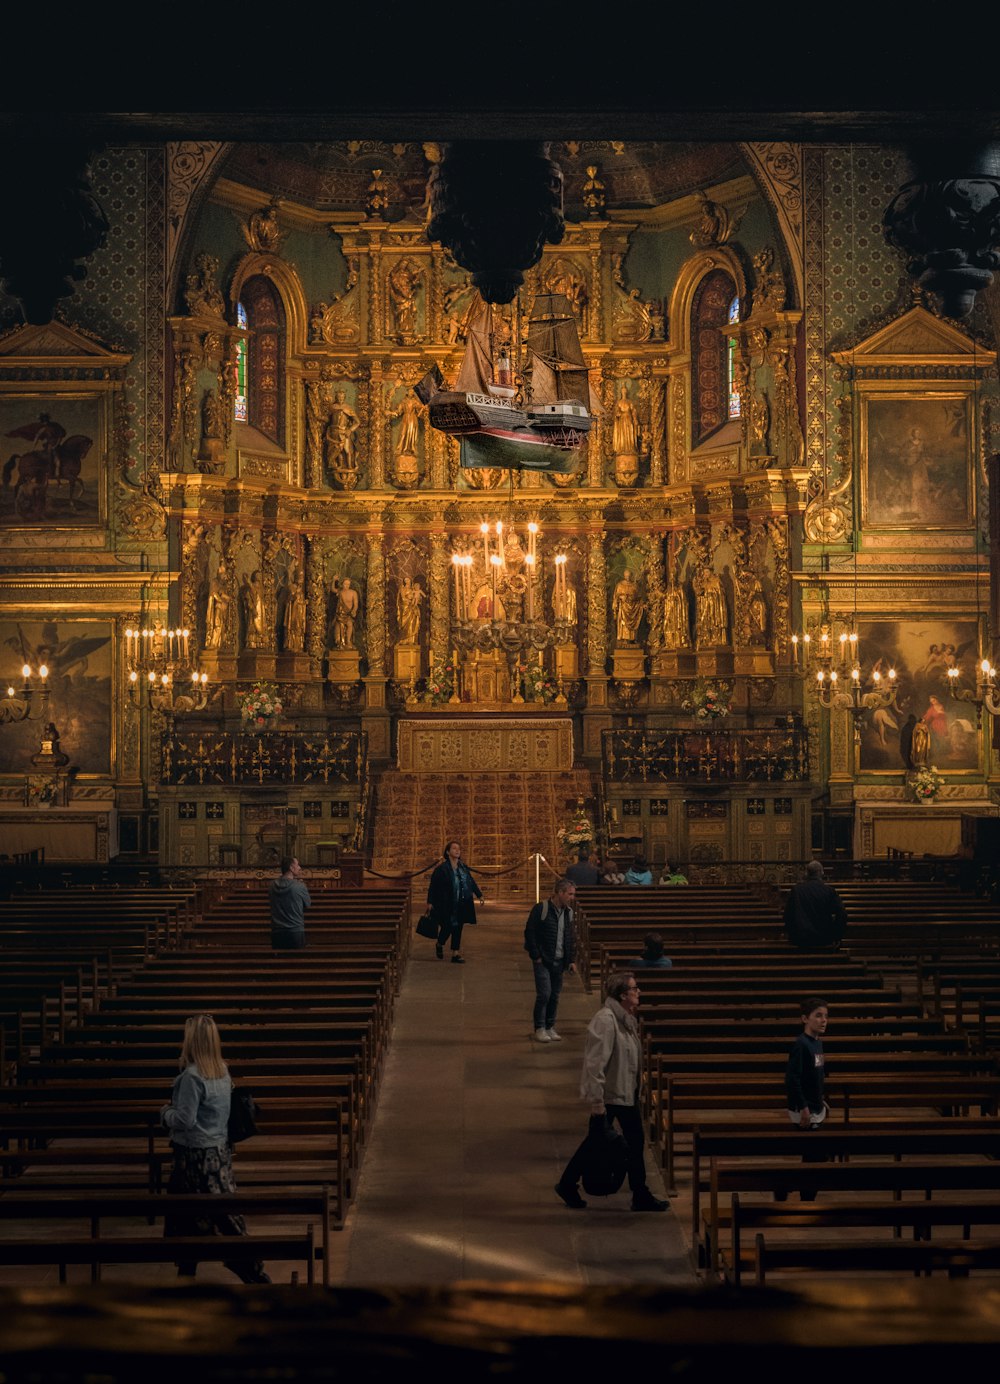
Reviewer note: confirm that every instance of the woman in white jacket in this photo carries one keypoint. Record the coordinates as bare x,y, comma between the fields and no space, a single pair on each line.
610,1085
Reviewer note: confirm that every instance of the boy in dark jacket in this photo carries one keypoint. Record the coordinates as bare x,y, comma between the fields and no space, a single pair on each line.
806,1067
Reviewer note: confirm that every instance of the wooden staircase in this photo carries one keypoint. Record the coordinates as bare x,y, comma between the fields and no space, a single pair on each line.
499,819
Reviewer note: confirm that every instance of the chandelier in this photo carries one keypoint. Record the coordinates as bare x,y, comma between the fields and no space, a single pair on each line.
832,666
162,669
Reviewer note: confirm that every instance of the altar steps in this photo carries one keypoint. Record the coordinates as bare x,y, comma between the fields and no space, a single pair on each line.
499,819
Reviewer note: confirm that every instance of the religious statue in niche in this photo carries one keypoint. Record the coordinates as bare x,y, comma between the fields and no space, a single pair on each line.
712,616
756,617
405,466
252,600
564,603
627,607
409,602
295,611
625,439
211,454
403,283
339,455
217,607
676,618
345,613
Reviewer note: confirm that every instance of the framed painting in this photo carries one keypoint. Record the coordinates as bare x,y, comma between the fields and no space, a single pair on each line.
921,650
53,458
79,657
917,460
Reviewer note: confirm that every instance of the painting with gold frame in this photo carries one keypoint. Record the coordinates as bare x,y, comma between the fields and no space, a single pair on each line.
78,654
921,649
53,458
917,460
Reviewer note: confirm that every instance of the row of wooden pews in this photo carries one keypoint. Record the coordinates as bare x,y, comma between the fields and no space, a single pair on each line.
306,1032
905,1166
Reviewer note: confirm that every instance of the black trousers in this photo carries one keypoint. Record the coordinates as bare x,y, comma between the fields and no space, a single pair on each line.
630,1124
453,929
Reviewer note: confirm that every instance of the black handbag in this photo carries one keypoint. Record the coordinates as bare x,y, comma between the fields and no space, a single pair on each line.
426,926
243,1111
605,1159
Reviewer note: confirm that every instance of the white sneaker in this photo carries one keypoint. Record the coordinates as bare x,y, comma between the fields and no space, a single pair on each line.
554,1037
543,1035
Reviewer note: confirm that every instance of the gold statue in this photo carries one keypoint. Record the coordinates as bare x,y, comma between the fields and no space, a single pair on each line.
595,194
295,612
564,603
202,297
403,282
217,607
676,619
405,471
712,617
627,607
409,599
338,442
345,613
756,618
252,597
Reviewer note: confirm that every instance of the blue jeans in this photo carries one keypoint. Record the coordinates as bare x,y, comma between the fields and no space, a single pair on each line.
548,984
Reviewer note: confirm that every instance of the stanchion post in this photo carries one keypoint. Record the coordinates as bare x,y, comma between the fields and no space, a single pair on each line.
538,876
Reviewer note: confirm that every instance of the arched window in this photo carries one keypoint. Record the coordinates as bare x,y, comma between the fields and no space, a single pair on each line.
711,354
734,398
242,415
263,359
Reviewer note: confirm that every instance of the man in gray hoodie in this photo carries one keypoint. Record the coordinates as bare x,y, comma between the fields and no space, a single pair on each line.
289,901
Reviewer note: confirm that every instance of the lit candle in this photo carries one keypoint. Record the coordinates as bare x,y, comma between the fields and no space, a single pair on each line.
502,555
456,563
843,649
484,529
43,671
496,563
532,532
807,645
795,650
26,672
529,563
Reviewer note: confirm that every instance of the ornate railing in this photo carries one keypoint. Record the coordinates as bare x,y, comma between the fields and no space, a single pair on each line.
205,757
780,755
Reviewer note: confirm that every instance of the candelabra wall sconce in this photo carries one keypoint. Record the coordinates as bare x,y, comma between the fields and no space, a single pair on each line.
30,701
984,695
162,670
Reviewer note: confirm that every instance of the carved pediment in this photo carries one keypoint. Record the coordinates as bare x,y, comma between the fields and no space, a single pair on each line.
917,338
55,343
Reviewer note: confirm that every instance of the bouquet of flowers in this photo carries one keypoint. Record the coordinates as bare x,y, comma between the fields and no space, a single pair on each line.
539,686
578,831
260,704
439,683
708,701
924,783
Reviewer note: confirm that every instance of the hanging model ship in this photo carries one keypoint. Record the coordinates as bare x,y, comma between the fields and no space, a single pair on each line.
546,431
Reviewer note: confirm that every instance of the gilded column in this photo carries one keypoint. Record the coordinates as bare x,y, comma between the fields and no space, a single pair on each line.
375,606
440,610
597,604
315,420
376,427
658,429
678,430
376,326
315,598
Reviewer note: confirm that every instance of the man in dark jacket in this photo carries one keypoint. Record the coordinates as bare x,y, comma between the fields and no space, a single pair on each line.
289,901
814,915
550,941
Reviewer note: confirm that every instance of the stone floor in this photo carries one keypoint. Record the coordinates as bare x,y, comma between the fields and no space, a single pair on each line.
474,1125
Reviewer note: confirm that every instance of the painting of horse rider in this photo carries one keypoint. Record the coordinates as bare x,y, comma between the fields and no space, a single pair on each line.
49,460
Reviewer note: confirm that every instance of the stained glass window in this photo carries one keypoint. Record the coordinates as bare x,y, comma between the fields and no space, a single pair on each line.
734,398
242,411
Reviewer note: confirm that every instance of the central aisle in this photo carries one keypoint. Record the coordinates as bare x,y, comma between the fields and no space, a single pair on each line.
474,1124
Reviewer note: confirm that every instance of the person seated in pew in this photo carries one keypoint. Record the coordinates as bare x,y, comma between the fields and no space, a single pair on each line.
610,873
671,875
639,872
815,918
583,871
652,953
198,1120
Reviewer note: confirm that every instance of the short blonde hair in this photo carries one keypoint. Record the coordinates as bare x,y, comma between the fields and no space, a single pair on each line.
202,1047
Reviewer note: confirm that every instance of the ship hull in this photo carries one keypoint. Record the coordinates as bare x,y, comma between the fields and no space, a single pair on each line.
524,447
458,413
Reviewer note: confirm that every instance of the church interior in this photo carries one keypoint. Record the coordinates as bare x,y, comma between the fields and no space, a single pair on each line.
261,597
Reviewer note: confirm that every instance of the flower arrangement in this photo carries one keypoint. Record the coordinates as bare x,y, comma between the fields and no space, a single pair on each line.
260,704
439,684
539,686
41,790
578,831
924,783
708,701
